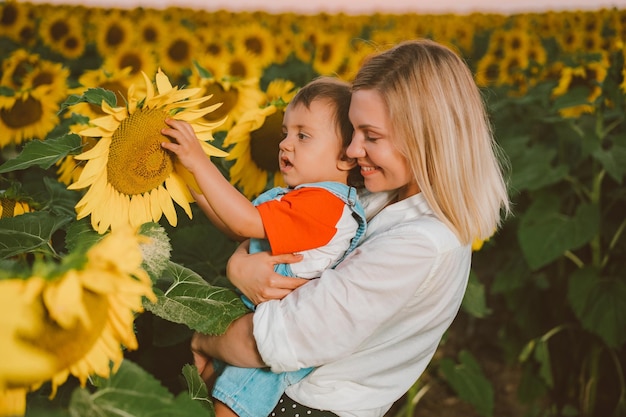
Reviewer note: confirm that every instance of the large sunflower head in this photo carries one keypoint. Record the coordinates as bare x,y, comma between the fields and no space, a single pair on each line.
71,318
130,178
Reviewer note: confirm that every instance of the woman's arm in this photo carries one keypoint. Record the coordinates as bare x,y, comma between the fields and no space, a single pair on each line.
236,346
254,276
230,206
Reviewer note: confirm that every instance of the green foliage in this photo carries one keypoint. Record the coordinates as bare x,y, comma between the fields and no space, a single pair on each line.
469,382
132,391
184,297
557,266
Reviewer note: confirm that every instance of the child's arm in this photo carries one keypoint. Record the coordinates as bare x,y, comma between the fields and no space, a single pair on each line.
230,206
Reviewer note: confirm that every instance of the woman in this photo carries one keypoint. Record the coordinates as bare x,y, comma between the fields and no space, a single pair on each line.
371,325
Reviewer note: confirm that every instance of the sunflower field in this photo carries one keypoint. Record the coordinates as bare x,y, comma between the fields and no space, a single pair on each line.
107,266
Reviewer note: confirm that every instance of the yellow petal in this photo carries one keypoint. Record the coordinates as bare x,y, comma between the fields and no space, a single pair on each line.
179,192
162,82
165,201
212,150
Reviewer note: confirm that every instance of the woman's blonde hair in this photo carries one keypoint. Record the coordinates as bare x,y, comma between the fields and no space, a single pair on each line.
440,125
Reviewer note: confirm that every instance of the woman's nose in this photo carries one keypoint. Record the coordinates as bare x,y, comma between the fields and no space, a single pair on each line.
355,149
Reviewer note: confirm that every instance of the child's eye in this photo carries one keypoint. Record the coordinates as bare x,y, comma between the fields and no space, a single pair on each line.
302,136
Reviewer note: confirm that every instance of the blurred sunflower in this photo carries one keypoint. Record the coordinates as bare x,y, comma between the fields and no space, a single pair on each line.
255,137
138,59
27,115
175,54
64,34
331,50
150,28
13,17
10,207
487,71
589,77
236,95
114,32
242,64
68,168
55,26
70,318
130,178
256,39
51,75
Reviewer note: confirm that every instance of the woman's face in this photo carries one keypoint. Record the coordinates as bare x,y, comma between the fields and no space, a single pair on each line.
383,167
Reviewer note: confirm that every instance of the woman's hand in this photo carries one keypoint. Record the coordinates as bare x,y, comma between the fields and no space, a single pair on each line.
253,274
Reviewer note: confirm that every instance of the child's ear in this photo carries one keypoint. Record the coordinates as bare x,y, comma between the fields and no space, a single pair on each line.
346,164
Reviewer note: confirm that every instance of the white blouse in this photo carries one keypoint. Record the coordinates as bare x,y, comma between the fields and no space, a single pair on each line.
371,325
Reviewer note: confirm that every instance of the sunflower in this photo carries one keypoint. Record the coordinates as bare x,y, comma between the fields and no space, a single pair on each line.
255,137
131,179
68,168
51,75
331,50
176,52
242,64
55,26
590,76
71,319
13,17
257,40
138,59
10,207
27,115
114,32
237,96
150,28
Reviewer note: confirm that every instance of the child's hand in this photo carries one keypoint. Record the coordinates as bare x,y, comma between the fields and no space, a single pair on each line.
186,144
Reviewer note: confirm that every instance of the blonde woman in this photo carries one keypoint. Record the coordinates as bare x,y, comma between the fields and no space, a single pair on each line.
371,326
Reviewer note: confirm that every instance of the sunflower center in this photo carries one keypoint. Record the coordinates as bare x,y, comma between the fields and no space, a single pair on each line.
137,163
227,98
179,51
43,78
237,68
8,207
58,30
254,45
264,142
70,345
115,35
9,15
22,114
131,60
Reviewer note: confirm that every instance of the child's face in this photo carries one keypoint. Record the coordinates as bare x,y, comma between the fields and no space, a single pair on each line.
311,150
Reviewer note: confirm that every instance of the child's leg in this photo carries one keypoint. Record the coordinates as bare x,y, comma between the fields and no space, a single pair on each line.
222,410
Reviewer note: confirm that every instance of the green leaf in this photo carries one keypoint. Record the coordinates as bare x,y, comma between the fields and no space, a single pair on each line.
474,302
545,233
60,200
29,232
93,96
542,355
469,382
533,169
613,159
81,236
599,305
196,387
131,391
190,300
43,154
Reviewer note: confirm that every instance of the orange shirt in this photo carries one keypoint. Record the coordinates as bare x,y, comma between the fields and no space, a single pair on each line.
302,219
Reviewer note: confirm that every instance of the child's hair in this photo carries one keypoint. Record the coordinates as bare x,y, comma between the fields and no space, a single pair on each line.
338,93
440,125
